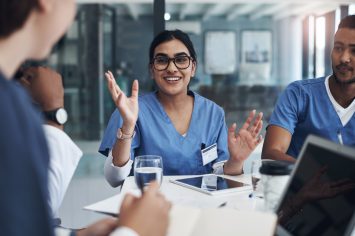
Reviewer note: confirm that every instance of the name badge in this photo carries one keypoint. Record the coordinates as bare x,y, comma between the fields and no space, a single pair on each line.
209,154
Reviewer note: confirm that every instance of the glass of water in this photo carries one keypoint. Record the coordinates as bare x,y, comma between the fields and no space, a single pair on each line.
147,168
255,173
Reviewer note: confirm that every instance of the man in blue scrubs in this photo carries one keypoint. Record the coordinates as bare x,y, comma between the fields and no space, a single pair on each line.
323,107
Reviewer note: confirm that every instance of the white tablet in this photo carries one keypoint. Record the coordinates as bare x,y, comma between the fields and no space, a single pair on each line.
213,184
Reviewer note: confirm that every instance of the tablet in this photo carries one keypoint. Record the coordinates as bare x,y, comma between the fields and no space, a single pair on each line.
212,184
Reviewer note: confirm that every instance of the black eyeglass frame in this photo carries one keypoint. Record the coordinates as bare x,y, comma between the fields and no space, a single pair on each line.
173,60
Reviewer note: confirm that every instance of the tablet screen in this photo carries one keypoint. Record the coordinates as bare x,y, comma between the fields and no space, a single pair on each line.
211,183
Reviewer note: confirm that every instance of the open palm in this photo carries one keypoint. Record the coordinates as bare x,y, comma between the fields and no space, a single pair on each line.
243,143
127,106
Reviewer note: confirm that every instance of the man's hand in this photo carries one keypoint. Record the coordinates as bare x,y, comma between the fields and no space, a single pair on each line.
45,87
148,215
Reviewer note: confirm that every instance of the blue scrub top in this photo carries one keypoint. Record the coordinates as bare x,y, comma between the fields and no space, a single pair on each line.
156,135
305,108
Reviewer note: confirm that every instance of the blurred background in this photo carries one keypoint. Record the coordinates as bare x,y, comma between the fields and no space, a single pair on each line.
248,51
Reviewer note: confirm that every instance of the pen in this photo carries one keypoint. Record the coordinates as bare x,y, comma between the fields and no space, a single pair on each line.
340,138
222,205
203,146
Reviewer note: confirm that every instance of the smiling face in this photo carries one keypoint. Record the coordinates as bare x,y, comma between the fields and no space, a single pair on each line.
173,81
343,56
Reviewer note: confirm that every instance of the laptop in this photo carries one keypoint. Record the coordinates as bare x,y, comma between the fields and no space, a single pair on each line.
319,198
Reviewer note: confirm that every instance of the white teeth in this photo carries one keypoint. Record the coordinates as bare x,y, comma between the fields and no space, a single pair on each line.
172,78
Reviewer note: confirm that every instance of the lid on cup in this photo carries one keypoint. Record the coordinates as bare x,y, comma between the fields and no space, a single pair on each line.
276,168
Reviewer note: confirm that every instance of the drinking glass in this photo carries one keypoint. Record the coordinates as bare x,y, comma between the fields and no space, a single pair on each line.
255,176
147,168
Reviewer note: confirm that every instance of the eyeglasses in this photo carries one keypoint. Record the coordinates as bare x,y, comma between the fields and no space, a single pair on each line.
162,62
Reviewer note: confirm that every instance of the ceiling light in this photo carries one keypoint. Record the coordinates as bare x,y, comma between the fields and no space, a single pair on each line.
167,16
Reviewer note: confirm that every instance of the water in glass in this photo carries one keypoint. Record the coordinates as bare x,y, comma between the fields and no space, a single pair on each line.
148,168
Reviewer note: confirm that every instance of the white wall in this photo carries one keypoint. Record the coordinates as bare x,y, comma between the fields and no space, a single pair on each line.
288,33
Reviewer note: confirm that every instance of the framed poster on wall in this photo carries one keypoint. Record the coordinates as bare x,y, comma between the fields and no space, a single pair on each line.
220,52
256,57
256,46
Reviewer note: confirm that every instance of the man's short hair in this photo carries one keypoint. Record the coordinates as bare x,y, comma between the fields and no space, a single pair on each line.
347,22
13,15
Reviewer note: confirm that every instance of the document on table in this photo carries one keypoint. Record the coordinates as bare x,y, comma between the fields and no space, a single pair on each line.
190,221
110,205
187,221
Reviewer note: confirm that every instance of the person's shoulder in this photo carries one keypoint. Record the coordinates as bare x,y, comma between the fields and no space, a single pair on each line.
12,92
306,85
207,104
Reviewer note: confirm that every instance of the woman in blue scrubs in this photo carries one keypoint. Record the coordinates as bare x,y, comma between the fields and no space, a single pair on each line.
187,130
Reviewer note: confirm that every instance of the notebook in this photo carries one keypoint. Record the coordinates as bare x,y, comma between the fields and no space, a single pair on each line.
319,198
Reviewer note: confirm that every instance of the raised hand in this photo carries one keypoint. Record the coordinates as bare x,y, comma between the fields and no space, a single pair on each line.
242,143
127,106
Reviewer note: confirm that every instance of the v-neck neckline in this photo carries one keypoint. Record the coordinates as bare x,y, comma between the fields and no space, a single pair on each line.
167,118
330,98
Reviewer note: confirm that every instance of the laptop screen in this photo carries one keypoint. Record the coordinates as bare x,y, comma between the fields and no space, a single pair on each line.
320,198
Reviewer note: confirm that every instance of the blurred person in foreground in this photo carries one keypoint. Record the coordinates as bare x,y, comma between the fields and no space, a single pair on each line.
28,30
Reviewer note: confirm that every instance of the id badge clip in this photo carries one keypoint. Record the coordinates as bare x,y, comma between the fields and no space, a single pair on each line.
209,153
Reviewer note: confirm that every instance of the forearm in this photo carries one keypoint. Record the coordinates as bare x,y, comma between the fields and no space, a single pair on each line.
277,155
233,167
122,147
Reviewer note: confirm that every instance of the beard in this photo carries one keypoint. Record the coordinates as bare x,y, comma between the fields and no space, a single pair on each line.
337,80
350,81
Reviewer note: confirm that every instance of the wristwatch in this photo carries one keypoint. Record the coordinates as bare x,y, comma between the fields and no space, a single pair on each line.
59,115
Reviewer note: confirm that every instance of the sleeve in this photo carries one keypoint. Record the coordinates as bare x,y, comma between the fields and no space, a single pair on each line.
218,168
289,108
64,158
63,232
109,138
222,139
124,231
116,175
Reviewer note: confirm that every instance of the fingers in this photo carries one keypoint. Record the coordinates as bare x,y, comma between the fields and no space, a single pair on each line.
257,131
256,127
249,119
231,132
111,84
152,189
128,200
135,89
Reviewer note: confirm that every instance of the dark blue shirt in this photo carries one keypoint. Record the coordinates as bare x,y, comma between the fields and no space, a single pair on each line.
24,161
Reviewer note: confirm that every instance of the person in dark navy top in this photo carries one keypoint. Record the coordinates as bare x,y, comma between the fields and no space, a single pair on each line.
28,30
